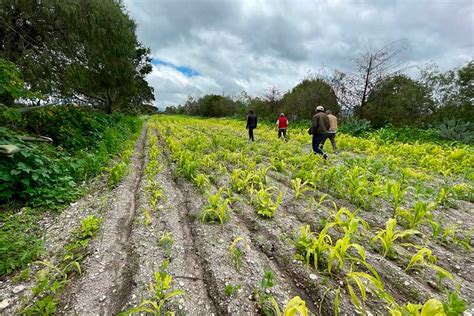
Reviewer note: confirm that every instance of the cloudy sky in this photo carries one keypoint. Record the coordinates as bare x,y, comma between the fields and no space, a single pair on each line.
224,46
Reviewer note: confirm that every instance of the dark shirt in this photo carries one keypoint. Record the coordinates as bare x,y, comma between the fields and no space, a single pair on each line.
251,121
320,123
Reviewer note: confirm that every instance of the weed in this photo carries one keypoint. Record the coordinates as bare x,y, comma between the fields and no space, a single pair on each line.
166,241
230,289
265,301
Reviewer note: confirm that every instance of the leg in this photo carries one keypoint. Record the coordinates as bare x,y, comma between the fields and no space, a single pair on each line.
322,143
317,139
284,133
279,133
333,141
251,134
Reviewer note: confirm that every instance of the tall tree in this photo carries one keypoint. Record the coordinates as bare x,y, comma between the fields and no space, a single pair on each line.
84,50
353,88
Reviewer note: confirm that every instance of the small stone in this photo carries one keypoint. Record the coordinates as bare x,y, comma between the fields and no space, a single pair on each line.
5,303
406,283
18,289
102,298
181,283
313,276
457,267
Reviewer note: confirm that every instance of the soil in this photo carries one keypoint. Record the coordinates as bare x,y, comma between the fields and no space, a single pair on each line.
126,253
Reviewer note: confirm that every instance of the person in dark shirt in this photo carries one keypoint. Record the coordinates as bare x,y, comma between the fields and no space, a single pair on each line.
251,124
319,129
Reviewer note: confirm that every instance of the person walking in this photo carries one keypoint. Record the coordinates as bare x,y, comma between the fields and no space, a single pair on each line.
282,125
251,124
319,128
331,134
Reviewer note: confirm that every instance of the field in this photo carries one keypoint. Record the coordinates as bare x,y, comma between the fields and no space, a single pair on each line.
206,223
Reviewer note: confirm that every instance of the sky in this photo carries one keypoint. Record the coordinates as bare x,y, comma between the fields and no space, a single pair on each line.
228,46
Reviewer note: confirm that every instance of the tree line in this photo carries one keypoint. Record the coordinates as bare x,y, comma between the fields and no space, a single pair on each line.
75,51
378,91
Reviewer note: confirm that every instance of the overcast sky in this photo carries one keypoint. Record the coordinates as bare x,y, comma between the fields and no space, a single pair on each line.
219,46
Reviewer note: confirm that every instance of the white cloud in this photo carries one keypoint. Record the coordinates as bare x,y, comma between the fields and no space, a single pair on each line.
251,45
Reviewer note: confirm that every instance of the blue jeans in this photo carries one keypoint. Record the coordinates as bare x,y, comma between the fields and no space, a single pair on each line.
317,140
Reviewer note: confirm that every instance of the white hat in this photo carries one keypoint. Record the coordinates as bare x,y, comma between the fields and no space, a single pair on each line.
319,108
281,114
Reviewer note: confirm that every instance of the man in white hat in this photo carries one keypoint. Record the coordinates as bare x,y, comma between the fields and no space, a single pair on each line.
319,128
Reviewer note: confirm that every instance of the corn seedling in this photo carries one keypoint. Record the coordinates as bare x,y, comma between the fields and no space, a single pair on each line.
266,201
161,294
299,187
216,210
147,216
414,217
339,252
388,236
312,247
236,251
296,306
201,181
372,281
395,194
425,258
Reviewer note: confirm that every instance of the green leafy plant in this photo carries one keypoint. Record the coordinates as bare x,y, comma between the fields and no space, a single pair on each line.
312,247
266,201
216,210
414,217
299,187
166,241
262,296
388,236
230,289
425,258
161,291
236,251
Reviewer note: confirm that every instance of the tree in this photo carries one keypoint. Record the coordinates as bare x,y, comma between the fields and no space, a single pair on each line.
302,100
353,88
399,101
85,51
451,91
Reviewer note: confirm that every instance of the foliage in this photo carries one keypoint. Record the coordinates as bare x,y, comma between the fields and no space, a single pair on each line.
398,100
19,243
456,130
88,53
236,251
356,127
231,289
265,301
389,235
266,201
161,291
216,210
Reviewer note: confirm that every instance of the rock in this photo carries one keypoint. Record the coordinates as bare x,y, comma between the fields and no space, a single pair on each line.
5,303
102,298
19,288
181,283
313,276
406,283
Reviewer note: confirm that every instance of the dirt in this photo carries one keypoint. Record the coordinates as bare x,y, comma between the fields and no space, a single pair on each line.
126,253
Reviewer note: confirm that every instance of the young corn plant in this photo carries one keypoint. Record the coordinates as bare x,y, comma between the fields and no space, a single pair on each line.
202,182
299,186
266,201
364,281
425,258
388,236
340,250
236,250
414,217
395,194
216,210
162,294
313,248
241,180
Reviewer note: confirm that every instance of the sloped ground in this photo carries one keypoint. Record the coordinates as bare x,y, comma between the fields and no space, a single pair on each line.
128,250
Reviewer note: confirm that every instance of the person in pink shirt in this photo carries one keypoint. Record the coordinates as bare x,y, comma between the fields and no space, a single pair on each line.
282,125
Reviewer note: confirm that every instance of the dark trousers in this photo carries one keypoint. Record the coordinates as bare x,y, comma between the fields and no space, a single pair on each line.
332,139
251,133
282,131
317,140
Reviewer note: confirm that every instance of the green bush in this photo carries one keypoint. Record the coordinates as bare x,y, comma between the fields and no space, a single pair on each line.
356,127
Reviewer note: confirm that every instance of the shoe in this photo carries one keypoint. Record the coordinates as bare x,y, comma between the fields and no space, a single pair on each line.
325,156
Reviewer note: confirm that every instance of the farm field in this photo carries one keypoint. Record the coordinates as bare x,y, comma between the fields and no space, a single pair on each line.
206,223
